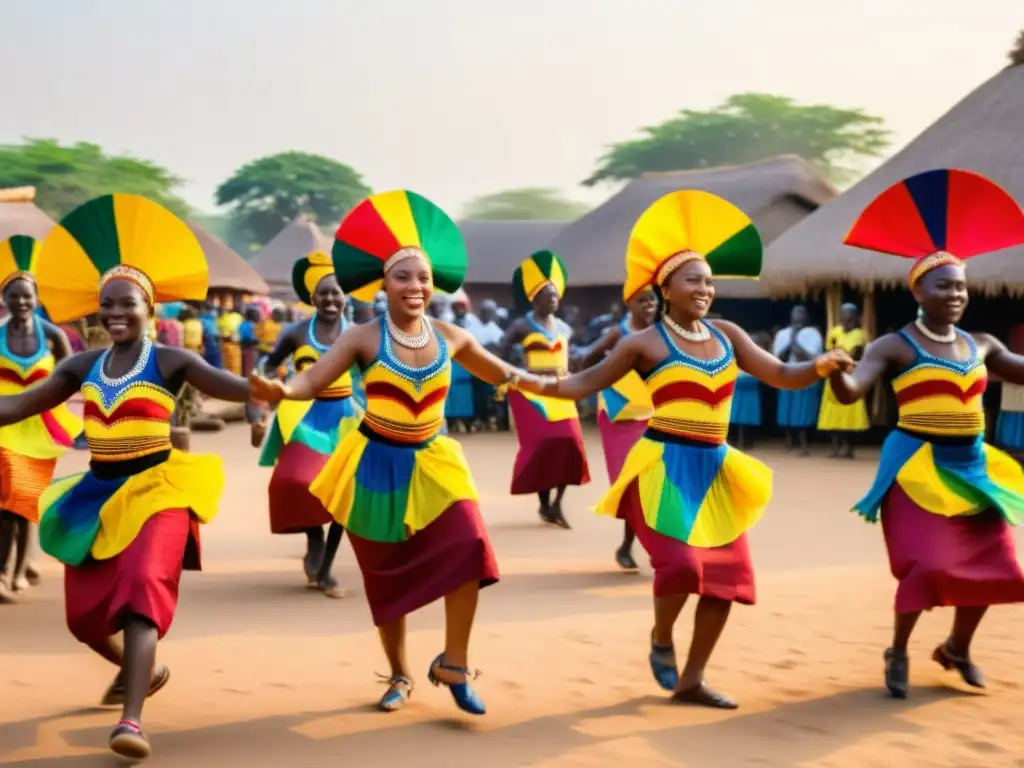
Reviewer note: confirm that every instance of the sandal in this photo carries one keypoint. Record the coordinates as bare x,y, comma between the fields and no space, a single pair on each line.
663,665
114,696
465,697
704,696
897,673
127,740
970,673
398,693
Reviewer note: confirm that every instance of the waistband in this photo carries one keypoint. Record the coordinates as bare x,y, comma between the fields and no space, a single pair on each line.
377,437
110,470
946,440
667,437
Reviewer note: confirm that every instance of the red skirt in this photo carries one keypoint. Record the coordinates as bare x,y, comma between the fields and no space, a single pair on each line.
551,453
142,581
617,439
949,561
293,508
402,577
726,573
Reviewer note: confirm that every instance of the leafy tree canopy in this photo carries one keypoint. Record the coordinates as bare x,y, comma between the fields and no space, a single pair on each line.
528,203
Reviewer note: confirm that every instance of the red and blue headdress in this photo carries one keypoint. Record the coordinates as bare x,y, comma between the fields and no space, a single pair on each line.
939,217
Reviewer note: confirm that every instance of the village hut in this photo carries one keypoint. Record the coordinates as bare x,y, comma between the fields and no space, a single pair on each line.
496,248
229,272
274,260
20,216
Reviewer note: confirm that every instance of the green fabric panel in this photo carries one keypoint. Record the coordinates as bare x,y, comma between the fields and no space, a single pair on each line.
442,242
354,268
22,247
379,516
94,226
739,256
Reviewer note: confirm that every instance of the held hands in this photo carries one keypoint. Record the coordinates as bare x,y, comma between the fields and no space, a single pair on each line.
834,360
266,390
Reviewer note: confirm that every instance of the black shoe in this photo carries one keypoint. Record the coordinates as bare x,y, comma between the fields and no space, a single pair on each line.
897,673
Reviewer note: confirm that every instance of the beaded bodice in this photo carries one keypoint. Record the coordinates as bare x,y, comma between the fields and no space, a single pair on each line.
17,373
545,350
309,352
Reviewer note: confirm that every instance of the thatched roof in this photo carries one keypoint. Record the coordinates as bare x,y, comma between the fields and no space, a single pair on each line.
274,260
20,216
982,133
496,248
228,270
775,193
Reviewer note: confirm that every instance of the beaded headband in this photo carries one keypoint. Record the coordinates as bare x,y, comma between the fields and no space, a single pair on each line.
673,263
131,274
402,254
19,275
928,263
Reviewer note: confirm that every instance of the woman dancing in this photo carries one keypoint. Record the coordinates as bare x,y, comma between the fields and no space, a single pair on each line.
305,433
401,487
125,528
551,454
29,349
625,407
688,495
944,495
844,421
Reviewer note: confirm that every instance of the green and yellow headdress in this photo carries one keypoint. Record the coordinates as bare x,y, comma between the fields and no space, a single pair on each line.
308,272
118,237
542,269
686,226
17,260
388,228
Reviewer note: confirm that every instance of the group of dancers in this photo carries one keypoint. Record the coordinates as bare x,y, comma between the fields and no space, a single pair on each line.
391,477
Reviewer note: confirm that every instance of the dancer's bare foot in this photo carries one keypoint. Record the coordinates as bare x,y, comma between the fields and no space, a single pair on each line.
330,587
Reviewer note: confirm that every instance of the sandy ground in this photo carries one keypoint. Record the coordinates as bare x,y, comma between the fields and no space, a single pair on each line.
266,673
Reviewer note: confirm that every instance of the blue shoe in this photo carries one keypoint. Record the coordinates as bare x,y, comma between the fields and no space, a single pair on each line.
398,693
663,665
463,693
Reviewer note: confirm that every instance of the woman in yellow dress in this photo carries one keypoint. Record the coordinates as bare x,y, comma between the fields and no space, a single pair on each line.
844,421
689,496
401,487
30,347
126,527
228,323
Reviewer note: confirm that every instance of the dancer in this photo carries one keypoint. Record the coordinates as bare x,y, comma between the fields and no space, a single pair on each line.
126,527
625,407
401,487
29,349
844,421
944,495
688,495
305,433
551,454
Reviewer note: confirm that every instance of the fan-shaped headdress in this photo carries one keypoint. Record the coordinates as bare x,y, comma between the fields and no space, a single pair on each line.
388,228
539,270
118,237
690,225
17,260
308,272
939,217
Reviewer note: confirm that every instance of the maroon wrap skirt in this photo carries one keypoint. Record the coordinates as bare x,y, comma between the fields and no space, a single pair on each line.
617,439
402,577
551,453
964,561
141,581
726,573
293,508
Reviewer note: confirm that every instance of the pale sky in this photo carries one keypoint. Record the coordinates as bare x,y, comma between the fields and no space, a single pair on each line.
455,98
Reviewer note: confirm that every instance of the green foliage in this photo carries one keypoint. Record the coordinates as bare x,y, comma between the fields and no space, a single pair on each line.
746,128
266,194
1017,54
525,204
67,176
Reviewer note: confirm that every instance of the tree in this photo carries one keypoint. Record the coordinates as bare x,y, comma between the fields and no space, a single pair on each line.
67,176
1017,54
268,193
527,203
746,128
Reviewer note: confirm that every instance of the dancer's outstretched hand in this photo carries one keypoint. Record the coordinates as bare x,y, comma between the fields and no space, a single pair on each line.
266,390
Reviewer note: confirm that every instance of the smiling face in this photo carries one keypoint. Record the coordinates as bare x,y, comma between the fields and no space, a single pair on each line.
942,294
329,299
690,290
124,312
409,287
643,307
20,299
546,301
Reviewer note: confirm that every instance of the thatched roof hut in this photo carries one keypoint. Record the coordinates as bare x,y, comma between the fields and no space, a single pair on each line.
496,248
228,270
274,260
776,193
982,133
20,216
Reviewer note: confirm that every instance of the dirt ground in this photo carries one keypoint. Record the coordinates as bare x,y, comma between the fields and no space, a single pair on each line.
267,673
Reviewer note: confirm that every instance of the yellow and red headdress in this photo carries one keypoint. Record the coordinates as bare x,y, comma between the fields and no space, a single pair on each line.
388,227
541,269
308,272
17,260
686,226
118,237
939,217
